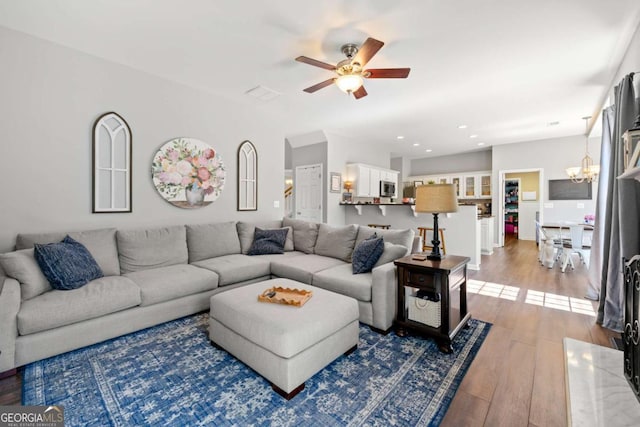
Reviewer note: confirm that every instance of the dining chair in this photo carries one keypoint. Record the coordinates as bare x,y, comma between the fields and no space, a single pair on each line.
575,245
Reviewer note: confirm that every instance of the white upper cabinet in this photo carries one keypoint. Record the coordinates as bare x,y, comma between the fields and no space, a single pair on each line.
366,179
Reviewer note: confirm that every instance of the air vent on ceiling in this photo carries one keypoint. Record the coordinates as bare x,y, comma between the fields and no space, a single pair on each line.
263,93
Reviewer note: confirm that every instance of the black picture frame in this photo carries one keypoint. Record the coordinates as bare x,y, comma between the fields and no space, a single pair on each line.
565,189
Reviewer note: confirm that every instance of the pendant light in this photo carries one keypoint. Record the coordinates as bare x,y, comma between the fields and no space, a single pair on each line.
587,171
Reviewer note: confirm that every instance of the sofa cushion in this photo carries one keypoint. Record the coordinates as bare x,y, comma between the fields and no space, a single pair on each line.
391,253
280,257
397,237
22,266
66,265
340,279
236,268
302,268
336,242
366,254
267,242
144,249
211,240
247,229
305,234
101,243
59,308
171,282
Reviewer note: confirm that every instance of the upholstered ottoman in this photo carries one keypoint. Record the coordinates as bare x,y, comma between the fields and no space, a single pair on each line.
285,344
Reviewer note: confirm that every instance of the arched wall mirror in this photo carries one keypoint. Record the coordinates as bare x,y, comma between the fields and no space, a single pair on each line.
111,164
247,177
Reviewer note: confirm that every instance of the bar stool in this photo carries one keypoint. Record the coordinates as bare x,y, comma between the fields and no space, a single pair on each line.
426,242
383,226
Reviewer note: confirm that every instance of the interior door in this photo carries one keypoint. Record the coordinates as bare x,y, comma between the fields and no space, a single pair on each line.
308,192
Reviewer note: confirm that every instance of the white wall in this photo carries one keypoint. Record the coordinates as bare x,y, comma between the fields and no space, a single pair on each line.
343,150
630,64
553,156
50,98
462,162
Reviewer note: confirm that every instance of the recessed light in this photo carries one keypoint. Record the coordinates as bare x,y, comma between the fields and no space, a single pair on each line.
462,126
400,137
556,123
480,143
415,144
428,150
473,136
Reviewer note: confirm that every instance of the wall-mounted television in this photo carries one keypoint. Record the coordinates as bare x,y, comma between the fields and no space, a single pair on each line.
565,189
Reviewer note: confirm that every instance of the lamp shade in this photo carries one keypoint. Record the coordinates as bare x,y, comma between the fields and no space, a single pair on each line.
436,198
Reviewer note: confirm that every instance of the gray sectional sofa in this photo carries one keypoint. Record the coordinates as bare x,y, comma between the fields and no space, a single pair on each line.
159,274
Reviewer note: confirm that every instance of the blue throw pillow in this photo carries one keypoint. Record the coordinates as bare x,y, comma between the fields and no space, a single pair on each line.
67,265
268,241
366,254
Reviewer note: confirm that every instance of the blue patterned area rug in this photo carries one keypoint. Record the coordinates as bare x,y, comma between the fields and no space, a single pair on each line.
171,375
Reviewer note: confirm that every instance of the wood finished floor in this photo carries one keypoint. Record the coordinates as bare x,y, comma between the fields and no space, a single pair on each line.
517,378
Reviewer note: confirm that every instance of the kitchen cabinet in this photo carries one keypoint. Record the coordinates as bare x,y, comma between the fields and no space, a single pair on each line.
457,182
485,186
366,179
470,187
486,235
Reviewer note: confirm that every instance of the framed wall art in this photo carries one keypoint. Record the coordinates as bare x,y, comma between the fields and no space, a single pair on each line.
247,177
112,174
188,173
336,182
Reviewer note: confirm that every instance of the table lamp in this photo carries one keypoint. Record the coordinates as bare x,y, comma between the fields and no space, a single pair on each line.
436,199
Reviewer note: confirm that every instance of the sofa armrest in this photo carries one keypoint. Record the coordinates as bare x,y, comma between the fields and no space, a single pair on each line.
383,295
417,244
9,306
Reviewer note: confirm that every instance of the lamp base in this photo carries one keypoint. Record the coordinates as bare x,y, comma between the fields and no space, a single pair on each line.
435,257
435,254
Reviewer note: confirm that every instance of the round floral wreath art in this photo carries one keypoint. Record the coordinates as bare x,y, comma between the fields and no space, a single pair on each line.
188,173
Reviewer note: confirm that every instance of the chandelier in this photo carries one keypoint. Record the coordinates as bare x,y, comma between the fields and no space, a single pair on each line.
588,171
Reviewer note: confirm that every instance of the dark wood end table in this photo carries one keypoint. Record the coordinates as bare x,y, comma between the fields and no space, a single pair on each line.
428,287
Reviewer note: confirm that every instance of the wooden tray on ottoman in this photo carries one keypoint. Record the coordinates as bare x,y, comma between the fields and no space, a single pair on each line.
288,296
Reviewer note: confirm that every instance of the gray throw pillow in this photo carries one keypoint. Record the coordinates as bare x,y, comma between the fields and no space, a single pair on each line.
305,234
391,253
336,242
67,265
267,242
22,266
366,254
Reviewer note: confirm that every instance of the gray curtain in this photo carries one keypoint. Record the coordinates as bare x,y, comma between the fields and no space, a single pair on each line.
622,213
597,243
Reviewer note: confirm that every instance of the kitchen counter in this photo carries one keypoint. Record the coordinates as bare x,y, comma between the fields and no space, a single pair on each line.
462,233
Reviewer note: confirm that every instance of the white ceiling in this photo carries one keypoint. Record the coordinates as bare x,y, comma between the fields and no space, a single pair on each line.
505,68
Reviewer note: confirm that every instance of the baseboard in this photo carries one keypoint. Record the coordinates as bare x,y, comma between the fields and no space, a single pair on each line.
473,267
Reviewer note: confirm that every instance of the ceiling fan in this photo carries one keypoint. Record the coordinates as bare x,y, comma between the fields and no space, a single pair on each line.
351,72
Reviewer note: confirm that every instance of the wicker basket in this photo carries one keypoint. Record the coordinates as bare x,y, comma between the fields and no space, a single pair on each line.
424,311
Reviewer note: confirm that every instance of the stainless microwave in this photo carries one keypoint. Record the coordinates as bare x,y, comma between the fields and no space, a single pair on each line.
387,189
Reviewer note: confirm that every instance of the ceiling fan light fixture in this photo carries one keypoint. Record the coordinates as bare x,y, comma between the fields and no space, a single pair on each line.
349,83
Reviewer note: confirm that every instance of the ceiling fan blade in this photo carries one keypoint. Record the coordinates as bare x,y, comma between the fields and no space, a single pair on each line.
319,86
388,73
360,92
315,63
369,48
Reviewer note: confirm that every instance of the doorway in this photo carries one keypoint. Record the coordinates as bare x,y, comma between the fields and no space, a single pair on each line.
511,199
517,216
308,193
